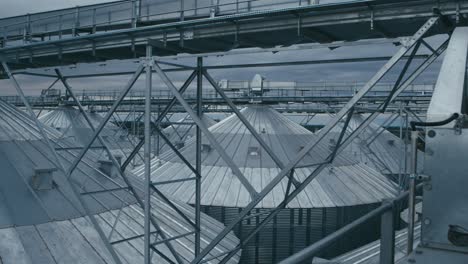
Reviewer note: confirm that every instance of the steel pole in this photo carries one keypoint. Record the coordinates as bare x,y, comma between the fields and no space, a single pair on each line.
412,191
295,160
147,153
76,193
198,158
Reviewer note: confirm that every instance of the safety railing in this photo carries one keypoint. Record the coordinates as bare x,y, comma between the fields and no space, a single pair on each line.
388,213
20,30
240,94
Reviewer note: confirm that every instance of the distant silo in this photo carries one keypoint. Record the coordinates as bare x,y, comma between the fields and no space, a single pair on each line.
180,132
342,192
41,220
376,147
72,124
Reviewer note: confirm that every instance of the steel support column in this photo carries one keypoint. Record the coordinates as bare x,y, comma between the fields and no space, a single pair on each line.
116,164
235,169
412,191
40,126
159,119
147,154
387,235
246,123
198,155
284,172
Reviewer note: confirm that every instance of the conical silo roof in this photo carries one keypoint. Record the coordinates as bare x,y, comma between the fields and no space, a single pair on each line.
180,132
346,182
72,124
377,147
41,220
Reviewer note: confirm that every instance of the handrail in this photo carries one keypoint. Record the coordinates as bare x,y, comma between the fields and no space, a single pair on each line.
26,24
314,249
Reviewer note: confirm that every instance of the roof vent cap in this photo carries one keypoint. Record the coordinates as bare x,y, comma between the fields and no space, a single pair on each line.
253,151
43,178
106,167
206,148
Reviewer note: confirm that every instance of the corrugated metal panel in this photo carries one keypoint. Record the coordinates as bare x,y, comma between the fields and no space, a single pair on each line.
375,147
179,133
370,253
294,229
46,226
72,125
339,194
346,182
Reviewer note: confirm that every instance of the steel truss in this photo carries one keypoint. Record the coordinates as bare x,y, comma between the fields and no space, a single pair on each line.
151,64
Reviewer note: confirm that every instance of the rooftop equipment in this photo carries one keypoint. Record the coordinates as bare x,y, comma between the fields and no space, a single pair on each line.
343,192
42,221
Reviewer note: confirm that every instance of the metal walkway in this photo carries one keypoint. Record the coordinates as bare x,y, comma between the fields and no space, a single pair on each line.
39,40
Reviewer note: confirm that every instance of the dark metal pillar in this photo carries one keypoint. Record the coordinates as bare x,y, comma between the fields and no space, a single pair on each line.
387,234
147,153
198,165
412,191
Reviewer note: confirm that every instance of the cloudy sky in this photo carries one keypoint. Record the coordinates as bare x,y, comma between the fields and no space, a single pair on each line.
346,72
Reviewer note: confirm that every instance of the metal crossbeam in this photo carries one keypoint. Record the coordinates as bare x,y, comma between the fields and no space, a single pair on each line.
111,156
74,189
247,124
235,170
277,179
160,118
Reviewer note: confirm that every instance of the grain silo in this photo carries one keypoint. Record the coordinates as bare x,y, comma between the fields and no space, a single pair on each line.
72,124
181,131
376,147
342,192
41,220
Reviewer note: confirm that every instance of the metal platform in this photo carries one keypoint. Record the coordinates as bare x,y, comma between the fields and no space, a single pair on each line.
125,38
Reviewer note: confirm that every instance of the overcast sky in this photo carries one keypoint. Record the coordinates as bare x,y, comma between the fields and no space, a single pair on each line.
20,7
329,72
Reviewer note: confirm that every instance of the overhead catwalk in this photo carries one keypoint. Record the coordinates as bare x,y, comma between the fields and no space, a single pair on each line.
341,193
42,221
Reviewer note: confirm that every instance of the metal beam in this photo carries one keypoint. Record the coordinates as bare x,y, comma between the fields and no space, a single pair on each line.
198,156
109,153
277,179
235,170
160,118
147,154
247,124
41,128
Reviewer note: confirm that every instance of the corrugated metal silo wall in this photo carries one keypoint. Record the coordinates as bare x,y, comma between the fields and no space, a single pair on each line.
294,229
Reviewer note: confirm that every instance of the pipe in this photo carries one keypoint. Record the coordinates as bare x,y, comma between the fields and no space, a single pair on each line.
412,191
414,124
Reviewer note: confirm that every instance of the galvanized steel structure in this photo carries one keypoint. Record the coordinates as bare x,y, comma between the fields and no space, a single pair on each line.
133,34
43,221
340,194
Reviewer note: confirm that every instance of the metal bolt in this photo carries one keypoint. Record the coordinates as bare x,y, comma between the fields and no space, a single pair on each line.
431,133
427,221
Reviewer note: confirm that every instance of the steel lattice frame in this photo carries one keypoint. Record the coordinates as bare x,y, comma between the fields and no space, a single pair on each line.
150,64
